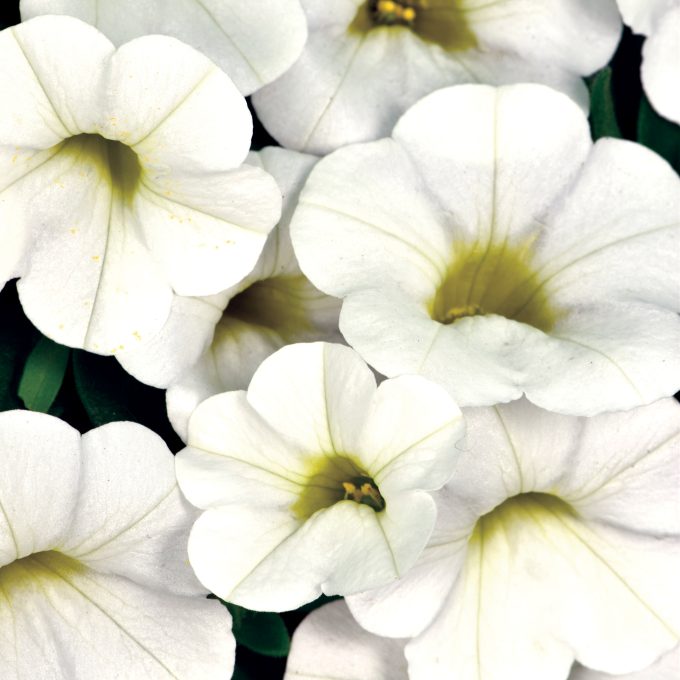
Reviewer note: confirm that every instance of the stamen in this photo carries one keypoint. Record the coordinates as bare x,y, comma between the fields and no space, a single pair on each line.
365,491
455,313
396,12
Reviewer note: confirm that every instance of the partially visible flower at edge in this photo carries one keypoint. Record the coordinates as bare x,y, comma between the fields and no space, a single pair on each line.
94,575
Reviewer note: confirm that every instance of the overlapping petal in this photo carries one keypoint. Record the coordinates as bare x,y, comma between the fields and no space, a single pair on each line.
329,643
254,44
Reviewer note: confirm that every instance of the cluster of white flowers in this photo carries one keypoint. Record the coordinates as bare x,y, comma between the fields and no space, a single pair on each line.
320,322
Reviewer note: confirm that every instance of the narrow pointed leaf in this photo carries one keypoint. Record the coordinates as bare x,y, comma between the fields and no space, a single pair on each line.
43,375
603,121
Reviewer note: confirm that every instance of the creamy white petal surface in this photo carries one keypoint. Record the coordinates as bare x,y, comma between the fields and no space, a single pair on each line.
661,65
120,182
330,644
666,668
213,344
360,69
314,481
253,42
642,15
94,574
488,244
559,538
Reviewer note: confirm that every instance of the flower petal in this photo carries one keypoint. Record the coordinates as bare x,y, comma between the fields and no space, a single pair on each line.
665,668
661,66
39,478
609,596
372,207
329,643
130,518
316,395
62,620
642,15
511,152
253,45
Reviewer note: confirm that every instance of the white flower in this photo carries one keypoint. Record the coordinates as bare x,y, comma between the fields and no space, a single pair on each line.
93,569
490,246
314,480
214,344
254,42
660,20
121,181
367,61
557,539
329,643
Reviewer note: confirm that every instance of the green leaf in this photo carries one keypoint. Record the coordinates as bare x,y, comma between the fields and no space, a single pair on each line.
43,375
658,134
109,394
603,122
261,632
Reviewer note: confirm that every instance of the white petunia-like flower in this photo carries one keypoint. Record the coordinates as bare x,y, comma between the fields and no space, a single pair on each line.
121,181
367,61
214,344
329,643
93,569
660,72
490,246
254,42
557,539
314,481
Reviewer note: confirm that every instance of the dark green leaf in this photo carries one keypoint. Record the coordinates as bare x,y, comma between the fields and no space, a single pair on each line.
261,632
659,134
17,336
43,375
108,394
603,122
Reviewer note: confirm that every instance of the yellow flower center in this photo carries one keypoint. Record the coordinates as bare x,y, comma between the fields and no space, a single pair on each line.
332,479
442,22
495,279
278,304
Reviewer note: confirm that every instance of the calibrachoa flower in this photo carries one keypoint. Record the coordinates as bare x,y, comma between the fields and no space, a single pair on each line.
93,567
557,539
490,246
314,481
329,643
214,344
121,181
660,20
254,42
367,61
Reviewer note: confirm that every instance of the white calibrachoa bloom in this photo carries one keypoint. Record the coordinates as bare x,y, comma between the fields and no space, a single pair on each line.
121,181
214,344
314,480
490,246
254,42
557,538
367,61
329,643
93,568
660,20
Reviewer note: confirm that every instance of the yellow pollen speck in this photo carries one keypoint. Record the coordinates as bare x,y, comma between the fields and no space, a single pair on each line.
408,14
137,336
14,158
95,258
73,231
